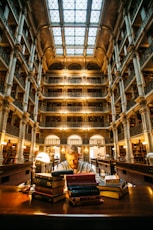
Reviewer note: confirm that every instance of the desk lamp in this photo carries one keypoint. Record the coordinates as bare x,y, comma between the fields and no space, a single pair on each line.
44,159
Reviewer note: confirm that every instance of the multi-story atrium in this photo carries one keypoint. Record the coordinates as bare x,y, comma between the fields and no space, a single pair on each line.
76,72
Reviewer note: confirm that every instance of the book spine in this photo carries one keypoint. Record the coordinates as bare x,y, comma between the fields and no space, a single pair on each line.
109,188
113,181
58,198
81,177
49,184
61,172
81,183
88,202
85,198
84,192
114,194
71,187
49,178
111,194
112,187
42,197
43,182
52,191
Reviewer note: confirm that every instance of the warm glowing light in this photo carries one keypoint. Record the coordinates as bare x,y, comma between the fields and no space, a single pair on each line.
43,157
86,150
144,142
4,143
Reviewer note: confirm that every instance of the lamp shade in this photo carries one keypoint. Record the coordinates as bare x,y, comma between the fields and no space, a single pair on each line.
43,157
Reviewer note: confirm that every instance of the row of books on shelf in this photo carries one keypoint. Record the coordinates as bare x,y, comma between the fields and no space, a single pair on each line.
80,189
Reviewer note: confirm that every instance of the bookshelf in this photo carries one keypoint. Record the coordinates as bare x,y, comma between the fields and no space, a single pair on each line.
9,153
139,151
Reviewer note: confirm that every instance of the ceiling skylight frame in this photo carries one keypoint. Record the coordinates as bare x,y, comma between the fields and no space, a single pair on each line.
75,25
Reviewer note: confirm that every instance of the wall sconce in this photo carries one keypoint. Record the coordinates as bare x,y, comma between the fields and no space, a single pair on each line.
124,146
24,147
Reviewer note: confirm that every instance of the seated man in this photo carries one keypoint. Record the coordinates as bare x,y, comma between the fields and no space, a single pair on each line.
72,162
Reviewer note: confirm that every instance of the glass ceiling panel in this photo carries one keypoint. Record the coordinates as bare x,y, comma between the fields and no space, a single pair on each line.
74,25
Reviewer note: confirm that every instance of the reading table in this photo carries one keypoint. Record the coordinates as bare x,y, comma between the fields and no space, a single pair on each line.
20,210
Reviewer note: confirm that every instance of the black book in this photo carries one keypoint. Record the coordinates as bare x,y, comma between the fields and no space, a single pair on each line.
83,192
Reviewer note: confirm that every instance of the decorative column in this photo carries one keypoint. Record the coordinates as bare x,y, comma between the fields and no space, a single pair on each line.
20,27
128,26
138,74
33,142
111,92
123,98
31,58
129,152
146,122
23,122
39,74
116,145
4,111
10,73
113,108
117,57
26,94
36,106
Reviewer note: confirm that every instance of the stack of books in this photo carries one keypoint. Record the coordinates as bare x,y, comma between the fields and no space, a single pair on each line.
48,187
82,189
113,187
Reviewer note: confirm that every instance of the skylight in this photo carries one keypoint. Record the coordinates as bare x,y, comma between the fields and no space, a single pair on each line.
75,26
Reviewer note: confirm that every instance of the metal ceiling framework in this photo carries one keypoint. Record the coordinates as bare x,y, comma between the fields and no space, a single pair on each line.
91,47
75,24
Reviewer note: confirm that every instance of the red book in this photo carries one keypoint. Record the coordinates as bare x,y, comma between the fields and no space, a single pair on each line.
81,177
84,183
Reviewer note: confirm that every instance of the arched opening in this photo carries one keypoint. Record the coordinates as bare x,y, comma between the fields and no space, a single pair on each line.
97,147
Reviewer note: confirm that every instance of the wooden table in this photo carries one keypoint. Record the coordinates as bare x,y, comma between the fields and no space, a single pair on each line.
20,210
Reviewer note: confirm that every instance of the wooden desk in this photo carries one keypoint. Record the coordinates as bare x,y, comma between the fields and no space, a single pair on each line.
19,210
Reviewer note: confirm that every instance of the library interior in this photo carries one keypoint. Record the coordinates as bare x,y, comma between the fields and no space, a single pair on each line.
76,73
